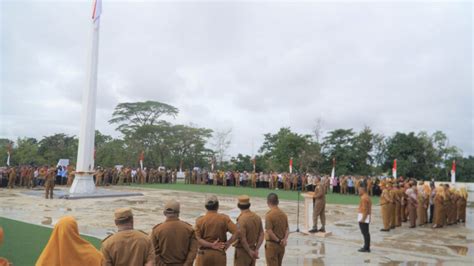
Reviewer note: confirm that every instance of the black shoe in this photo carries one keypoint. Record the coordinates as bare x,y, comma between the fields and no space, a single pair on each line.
384,230
322,230
364,250
393,227
314,230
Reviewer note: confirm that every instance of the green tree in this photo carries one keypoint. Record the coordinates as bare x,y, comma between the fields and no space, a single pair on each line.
58,146
242,163
362,159
339,144
130,116
111,153
280,147
26,152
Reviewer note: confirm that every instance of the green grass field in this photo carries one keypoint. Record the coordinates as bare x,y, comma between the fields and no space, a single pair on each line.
254,192
24,242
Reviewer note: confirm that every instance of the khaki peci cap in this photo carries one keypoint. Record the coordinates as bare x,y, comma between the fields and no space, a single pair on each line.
123,213
244,200
211,200
172,206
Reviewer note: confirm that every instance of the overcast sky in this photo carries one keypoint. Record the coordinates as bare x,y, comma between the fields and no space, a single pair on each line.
250,66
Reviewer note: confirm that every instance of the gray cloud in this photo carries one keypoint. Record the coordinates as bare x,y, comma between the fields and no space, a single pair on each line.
254,67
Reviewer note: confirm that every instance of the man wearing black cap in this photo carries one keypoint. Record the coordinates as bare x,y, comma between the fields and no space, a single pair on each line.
211,233
174,240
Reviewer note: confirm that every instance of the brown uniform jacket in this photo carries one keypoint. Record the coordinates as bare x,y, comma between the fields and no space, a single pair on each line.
395,196
214,226
320,197
128,247
320,193
365,206
250,226
277,221
174,242
385,198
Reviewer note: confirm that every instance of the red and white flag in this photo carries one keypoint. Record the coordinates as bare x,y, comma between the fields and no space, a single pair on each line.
394,169
291,165
9,151
142,158
453,173
333,172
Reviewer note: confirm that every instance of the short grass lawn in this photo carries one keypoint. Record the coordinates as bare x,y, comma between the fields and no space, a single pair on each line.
332,198
24,242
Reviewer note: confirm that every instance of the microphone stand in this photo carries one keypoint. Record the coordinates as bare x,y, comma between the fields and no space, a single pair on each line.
297,214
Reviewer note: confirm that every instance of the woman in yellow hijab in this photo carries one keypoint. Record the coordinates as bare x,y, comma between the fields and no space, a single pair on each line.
66,247
3,261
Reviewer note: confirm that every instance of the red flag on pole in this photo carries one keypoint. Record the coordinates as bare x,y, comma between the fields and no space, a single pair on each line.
453,173
394,168
291,165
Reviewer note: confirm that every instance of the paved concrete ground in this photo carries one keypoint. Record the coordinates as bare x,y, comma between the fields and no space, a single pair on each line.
453,245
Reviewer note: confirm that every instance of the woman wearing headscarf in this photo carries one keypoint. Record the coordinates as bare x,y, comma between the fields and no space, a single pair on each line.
423,202
66,247
3,261
439,214
461,205
412,205
432,196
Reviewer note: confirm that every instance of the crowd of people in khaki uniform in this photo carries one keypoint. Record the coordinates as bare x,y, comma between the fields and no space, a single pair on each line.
421,204
175,242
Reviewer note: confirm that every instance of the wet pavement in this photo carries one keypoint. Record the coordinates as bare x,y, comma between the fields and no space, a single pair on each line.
453,245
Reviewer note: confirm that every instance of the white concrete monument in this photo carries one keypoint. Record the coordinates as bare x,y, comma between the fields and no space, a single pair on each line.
84,181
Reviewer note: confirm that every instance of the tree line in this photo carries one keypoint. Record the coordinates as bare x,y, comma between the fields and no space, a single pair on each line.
147,126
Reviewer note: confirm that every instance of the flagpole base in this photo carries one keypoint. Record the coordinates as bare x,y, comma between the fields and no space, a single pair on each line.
83,184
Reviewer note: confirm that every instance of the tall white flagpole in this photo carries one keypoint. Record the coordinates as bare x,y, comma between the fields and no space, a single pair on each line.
84,181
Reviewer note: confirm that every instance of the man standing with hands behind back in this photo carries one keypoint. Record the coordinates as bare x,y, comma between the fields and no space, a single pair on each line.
276,232
211,233
365,210
250,235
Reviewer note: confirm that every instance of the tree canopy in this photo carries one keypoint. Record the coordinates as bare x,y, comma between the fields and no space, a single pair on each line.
144,128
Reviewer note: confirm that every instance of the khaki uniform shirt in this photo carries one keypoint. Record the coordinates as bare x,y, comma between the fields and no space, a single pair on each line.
214,226
250,226
128,247
365,206
385,198
277,221
174,242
